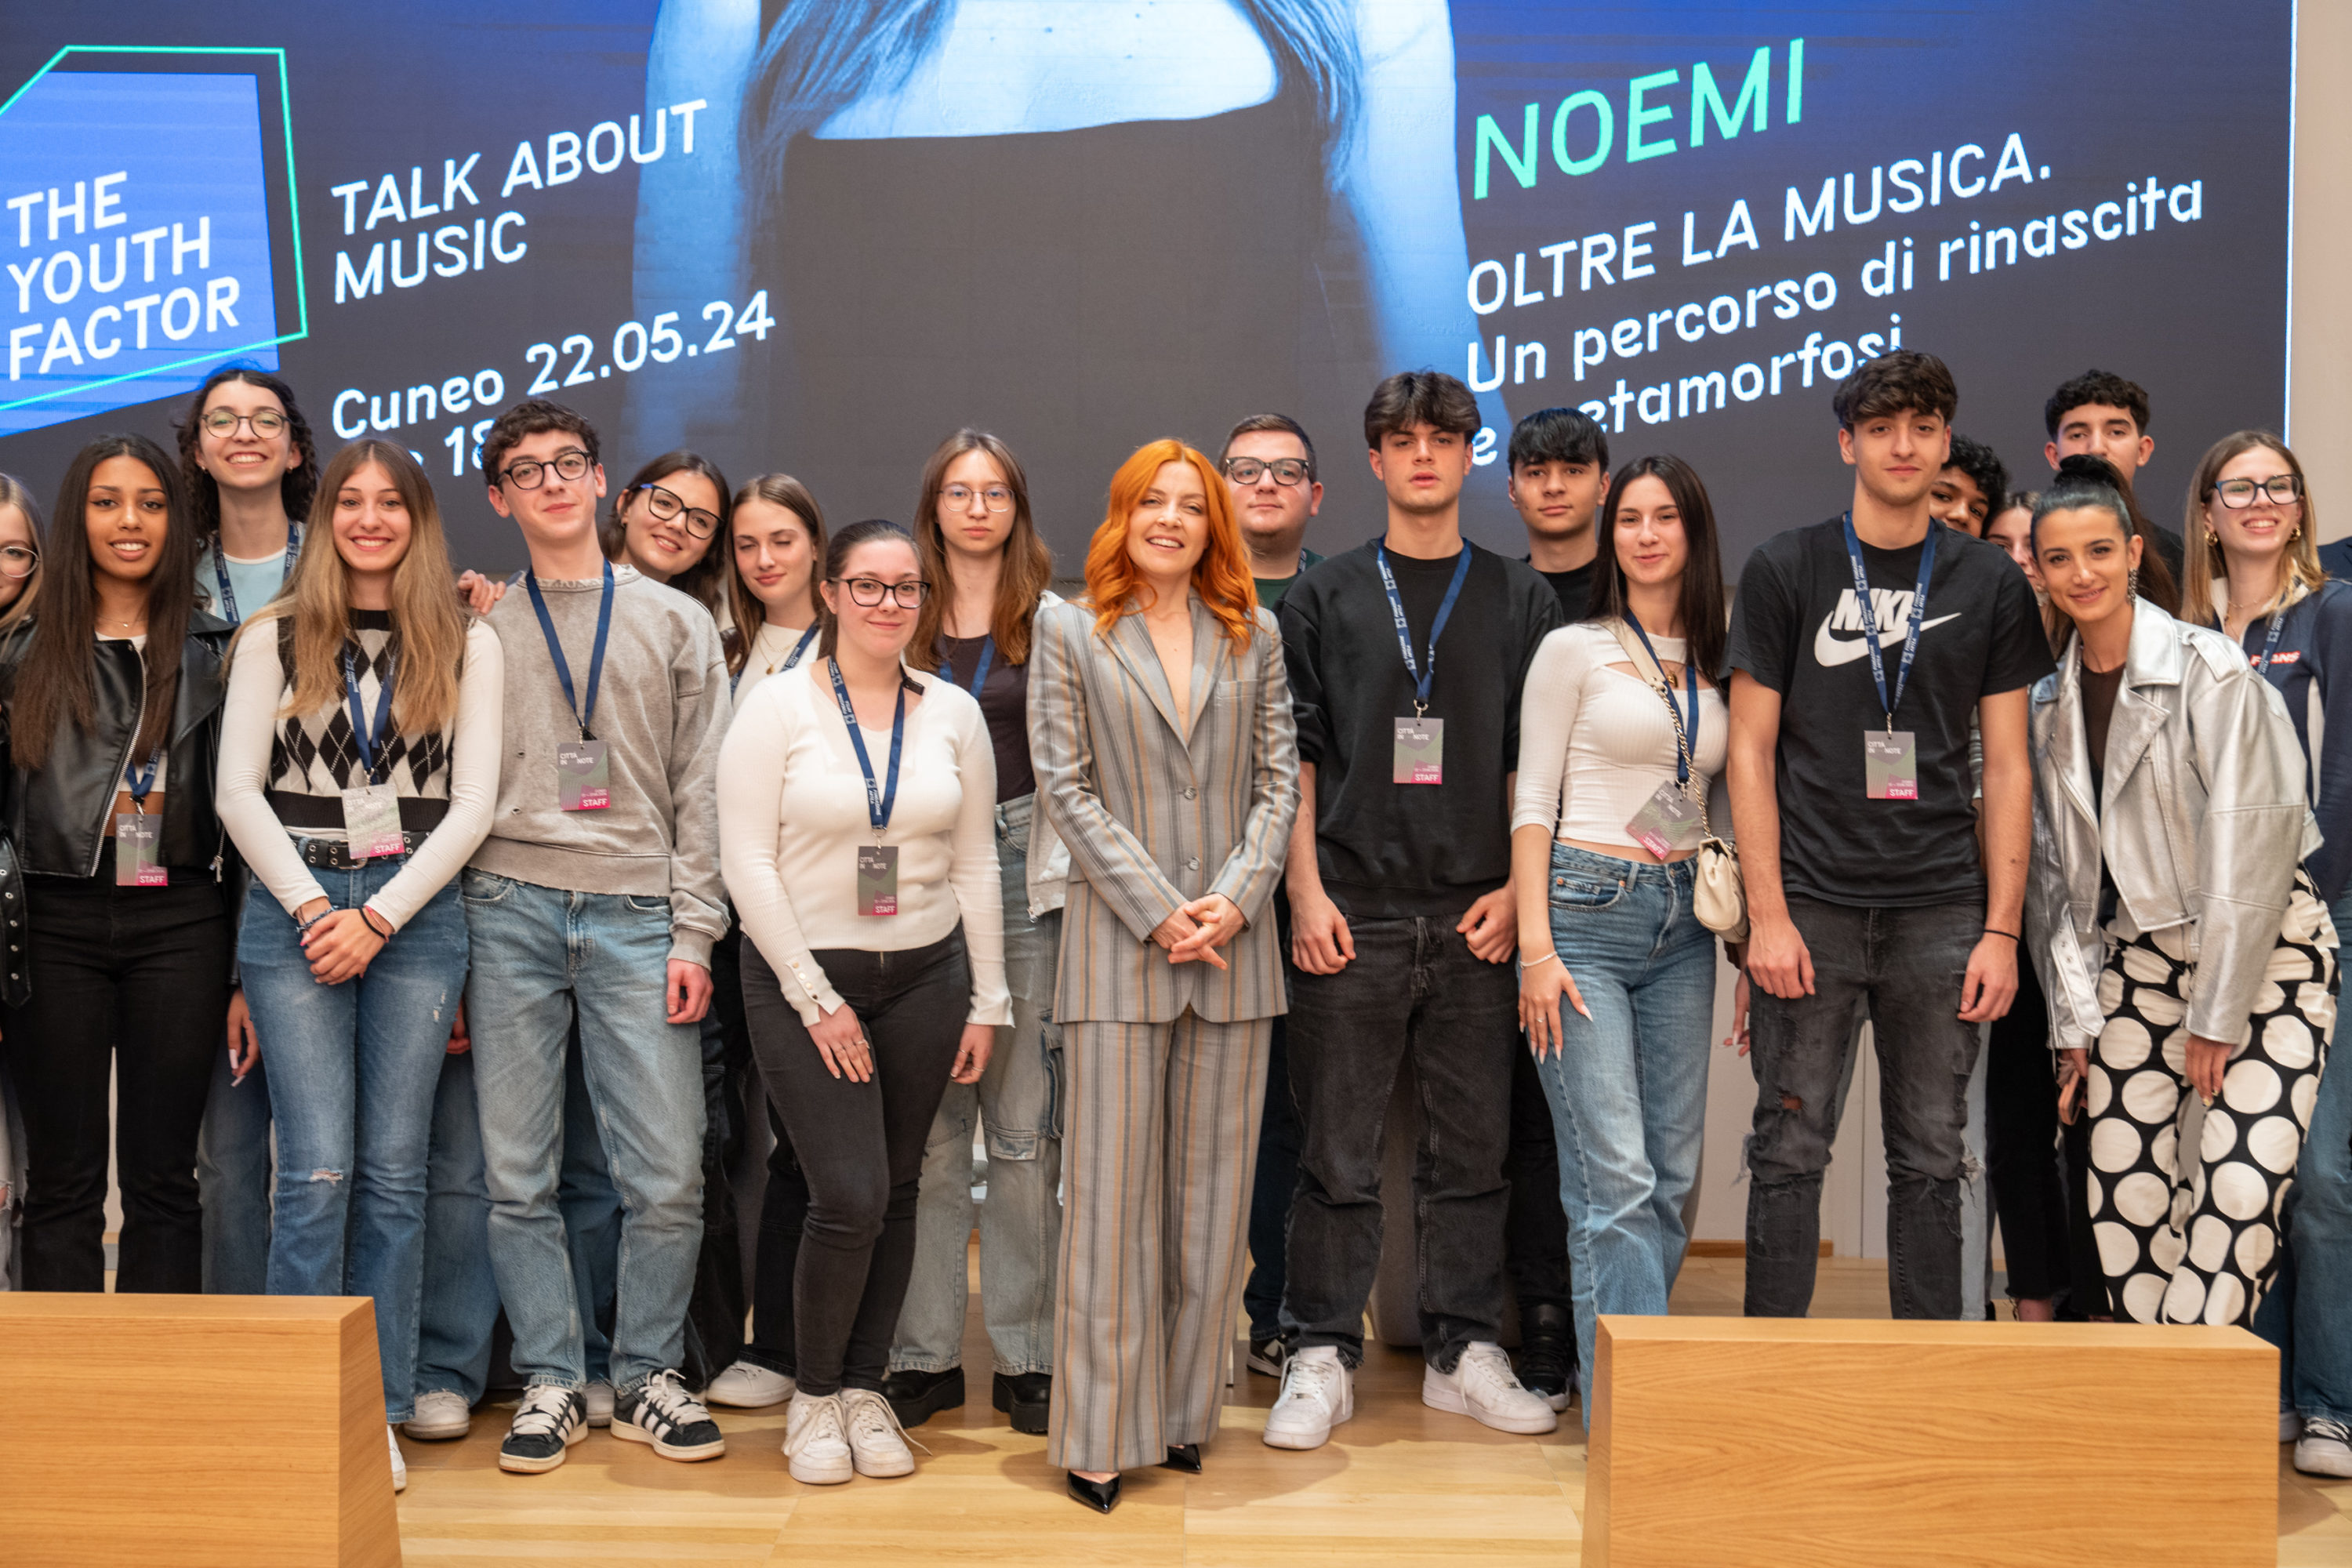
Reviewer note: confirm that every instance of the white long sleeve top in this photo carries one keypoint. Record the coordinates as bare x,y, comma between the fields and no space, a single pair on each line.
793,816
1595,743
297,760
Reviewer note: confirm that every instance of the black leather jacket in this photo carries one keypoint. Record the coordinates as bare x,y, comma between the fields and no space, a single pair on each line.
57,818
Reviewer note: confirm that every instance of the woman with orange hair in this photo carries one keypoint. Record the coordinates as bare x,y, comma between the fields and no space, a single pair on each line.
1160,732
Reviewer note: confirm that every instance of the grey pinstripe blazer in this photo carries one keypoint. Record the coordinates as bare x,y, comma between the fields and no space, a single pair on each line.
1159,809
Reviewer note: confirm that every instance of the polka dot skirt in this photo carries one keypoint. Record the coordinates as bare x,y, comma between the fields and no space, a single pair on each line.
2202,1247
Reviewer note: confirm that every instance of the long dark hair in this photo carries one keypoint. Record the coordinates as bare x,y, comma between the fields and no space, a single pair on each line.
295,489
54,682
1028,566
702,582
873,530
1704,622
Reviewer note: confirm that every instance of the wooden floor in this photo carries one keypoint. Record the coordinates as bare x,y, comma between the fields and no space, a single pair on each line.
1399,1484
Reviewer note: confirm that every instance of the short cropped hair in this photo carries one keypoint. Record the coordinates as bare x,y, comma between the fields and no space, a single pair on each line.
1281,424
2103,387
1558,435
1984,468
1413,397
1906,381
529,417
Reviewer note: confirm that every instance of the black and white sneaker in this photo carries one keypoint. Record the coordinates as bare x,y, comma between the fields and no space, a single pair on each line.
1268,1355
548,1421
661,1413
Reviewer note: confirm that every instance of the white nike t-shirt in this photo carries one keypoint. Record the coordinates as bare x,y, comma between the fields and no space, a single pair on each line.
1796,628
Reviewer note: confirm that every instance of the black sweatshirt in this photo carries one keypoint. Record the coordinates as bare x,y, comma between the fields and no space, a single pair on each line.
1389,851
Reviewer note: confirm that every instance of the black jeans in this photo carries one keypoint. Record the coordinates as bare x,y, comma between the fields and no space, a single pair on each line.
135,979
860,1144
1535,1227
1905,966
1414,991
2022,1158
1275,1181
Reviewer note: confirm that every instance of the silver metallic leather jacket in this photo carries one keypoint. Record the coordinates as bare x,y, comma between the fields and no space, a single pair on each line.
2202,823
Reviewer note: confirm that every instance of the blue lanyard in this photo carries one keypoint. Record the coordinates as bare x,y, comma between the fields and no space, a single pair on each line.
735,682
1870,618
2270,643
555,647
1422,679
139,784
220,572
877,802
366,738
1689,747
987,657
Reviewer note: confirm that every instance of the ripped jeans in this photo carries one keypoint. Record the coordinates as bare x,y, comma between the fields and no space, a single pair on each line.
352,1073
1902,968
1020,1222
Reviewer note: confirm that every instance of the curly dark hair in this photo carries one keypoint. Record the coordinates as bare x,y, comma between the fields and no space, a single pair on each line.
2103,387
1906,381
301,482
1984,468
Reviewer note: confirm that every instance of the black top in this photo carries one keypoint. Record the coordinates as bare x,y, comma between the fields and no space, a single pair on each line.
1796,629
1387,849
2098,711
1574,589
2315,651
1004,703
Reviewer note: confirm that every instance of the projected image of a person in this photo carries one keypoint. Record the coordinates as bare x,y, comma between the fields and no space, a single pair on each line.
1017,203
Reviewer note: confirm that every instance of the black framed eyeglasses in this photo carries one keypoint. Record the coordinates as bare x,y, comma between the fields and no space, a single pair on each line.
1249,471
18,561
668,505
529,473
2282,489
996,498
268,423
868,591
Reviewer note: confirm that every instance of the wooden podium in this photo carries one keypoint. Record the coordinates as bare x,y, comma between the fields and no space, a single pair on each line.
1728,1441
193,1430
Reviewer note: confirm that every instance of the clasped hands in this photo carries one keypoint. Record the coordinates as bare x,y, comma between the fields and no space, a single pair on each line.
1195,931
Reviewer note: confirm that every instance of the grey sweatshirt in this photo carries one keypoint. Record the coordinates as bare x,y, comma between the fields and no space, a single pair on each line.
661,711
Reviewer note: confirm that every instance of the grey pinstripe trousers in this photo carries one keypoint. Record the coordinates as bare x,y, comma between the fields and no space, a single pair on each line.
1159,1141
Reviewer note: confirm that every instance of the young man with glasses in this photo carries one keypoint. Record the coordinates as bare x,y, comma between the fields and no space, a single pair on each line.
596,897
1269,466
1406,655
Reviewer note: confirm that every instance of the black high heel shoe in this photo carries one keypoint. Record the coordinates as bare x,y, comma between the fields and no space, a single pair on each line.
1185,1457
1100,1496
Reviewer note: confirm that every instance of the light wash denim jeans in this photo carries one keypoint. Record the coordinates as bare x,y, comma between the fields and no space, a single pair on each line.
2308,1313
1020,1222
460,1305
539,955
356,1068
1628,1091
592,1218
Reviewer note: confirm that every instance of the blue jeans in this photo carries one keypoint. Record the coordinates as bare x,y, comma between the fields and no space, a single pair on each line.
592,1218
1628,1091
460,1305
2308,1313
233,1178
356,1068
541,954
1020,1222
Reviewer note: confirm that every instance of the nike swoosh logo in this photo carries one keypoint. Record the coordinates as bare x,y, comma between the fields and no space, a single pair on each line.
1830,651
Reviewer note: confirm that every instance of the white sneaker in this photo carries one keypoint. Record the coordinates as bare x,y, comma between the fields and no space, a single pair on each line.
2290,1424
1482,1386
599,1397
815,1441
440,1415
1318,1392
745,1386
399,1465
878,1443
2324,1448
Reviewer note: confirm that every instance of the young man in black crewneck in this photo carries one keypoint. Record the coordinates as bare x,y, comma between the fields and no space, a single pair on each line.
1406,658
1560,471
1850,790
2101,414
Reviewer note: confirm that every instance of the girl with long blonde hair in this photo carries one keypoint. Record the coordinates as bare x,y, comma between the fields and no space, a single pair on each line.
360,753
